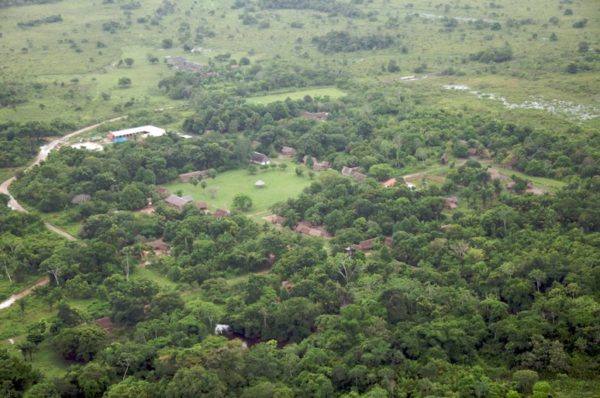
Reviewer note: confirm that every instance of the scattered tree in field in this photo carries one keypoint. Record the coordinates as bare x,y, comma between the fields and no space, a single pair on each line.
242,202
124,82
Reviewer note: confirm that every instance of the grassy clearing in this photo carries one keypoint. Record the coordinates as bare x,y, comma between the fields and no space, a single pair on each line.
331,92
280,185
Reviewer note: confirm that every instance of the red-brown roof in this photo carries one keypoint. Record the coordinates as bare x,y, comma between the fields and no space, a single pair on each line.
389,183
105,323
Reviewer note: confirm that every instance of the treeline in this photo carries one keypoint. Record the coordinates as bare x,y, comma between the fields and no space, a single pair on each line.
493,55
331,7
21,141
36,22
250,79
342,41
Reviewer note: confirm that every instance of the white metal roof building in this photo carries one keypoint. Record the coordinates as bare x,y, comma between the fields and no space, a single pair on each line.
145,131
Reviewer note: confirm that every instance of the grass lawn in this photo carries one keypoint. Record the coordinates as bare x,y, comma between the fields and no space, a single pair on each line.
280,185
331,92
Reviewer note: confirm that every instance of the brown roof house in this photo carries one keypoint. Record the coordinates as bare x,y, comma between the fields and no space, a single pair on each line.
369,244
178,202
306,228
451,202
220,213
288,151
259,158
159,247
275,219
317,116
317,166
81,198
353,172
105,323
389,183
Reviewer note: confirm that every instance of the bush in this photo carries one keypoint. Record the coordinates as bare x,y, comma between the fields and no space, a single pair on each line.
525,379
493,55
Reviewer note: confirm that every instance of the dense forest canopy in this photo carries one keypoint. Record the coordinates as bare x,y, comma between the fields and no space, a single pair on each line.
315,198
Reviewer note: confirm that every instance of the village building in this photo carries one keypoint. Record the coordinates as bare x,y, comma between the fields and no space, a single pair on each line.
369,244
288,151
389,183
259,158
105,323
316,116
220,213
81,198
275,219
260,184
200,174
306,228
353,172
202,206
317,166
162,192
178,202
287,286
159,247
451,202
135,132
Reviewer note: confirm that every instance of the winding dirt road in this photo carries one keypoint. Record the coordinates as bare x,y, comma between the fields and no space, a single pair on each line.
15,205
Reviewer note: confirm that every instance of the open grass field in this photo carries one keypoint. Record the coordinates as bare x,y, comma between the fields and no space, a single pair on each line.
331,92
280,185
66,67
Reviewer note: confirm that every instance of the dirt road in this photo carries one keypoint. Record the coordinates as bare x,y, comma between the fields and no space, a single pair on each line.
41,156
24,293
15,205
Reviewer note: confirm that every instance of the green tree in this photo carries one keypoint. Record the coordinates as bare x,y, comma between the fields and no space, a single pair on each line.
124,82
242,202
195,382
80,343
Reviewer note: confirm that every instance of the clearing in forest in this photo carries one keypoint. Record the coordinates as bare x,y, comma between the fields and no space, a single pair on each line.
220,191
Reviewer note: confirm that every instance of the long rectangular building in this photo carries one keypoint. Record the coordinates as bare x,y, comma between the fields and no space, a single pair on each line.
144,131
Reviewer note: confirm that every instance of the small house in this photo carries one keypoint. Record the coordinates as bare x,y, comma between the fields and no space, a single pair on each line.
178,202
306,228
354,173
451,202
202,206
316,116
105,323
389,183
259,158
220,213
260,184
159,247
81,198
275,219
288,151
